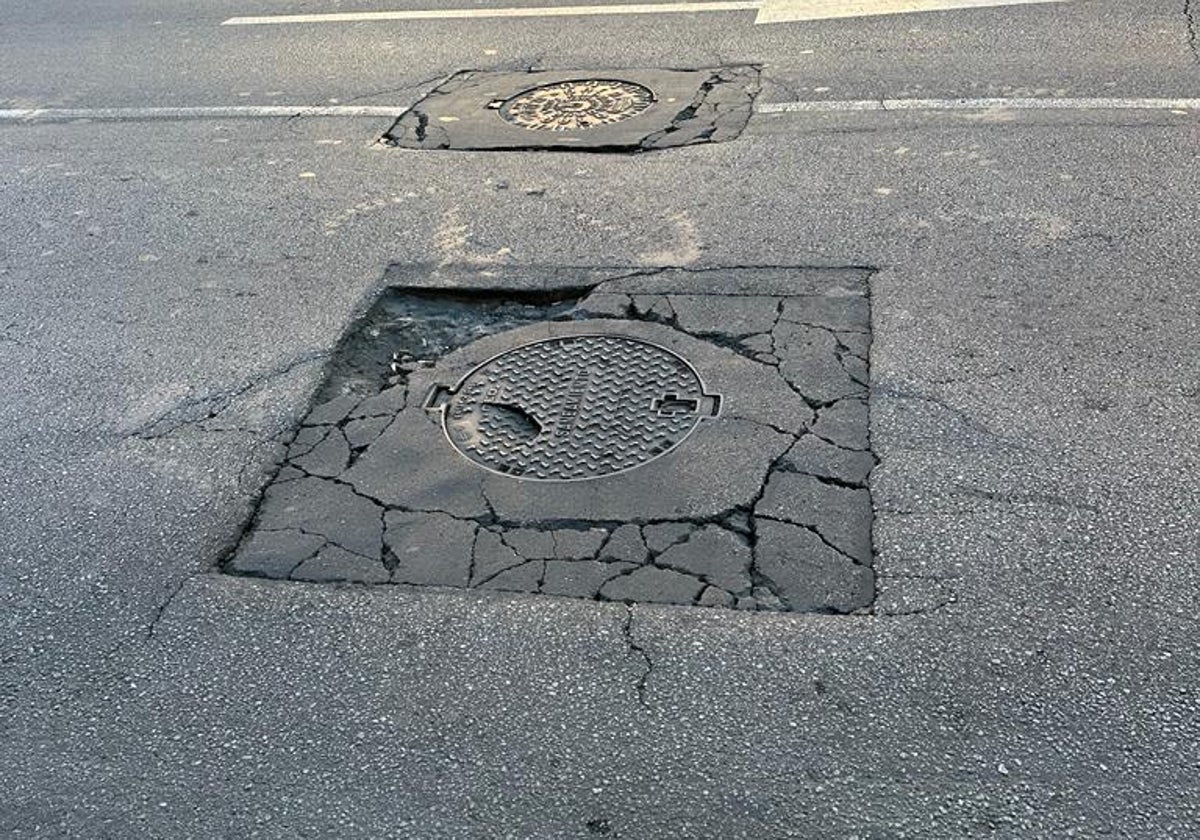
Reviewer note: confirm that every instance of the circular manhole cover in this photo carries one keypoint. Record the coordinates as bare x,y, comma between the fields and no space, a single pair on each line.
573,408
569,106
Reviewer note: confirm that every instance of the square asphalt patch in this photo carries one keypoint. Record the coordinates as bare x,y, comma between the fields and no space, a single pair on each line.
681,437
580,110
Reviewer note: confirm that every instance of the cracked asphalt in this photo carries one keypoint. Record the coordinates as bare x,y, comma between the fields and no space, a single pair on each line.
792,532
170,292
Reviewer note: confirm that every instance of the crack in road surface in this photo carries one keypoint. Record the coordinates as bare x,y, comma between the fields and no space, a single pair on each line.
1190,23
639,651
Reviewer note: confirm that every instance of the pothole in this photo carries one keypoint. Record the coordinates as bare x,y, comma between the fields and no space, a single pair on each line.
597,110
682,437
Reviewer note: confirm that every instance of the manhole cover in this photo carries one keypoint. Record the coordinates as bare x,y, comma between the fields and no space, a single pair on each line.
573,408
573,105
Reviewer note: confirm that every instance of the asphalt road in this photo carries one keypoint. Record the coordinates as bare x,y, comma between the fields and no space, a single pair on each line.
1031,668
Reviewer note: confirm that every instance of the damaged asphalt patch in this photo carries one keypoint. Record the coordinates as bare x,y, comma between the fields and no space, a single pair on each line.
580,110
680,437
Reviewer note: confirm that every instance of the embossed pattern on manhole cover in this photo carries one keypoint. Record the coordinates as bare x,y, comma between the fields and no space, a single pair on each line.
574,105
573,408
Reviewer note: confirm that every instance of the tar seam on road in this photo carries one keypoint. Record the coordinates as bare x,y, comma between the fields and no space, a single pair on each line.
48,115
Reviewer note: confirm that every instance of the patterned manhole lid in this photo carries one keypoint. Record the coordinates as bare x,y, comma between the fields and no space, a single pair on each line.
573,408
569,106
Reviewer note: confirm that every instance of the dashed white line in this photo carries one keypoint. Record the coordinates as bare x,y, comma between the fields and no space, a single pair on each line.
198,113
1006,104
769,11
519,12
791,11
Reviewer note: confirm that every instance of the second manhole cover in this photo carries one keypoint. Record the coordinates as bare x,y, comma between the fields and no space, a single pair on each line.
598,110
572,408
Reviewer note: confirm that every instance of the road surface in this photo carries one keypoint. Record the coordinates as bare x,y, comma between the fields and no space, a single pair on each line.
1030,669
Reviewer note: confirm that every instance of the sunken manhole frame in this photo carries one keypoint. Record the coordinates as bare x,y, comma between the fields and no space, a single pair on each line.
689,106
614,301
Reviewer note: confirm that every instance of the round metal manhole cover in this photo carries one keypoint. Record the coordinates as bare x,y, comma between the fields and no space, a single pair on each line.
570,106
574,408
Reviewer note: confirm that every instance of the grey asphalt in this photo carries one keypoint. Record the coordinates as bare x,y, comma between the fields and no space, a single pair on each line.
168,291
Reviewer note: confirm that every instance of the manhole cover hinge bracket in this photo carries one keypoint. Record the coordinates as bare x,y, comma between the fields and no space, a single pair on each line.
438,398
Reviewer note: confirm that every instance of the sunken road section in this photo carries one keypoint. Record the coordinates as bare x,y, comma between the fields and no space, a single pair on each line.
672,436
580,110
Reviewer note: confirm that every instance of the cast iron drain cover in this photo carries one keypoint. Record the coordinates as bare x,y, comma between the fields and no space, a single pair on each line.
574,408
583,103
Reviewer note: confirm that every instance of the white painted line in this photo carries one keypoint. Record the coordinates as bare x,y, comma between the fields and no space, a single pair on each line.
199,113
1007,104
520,12
45,115
769,11
788,11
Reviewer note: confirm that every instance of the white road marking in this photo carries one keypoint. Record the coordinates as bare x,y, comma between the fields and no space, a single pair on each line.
58,115
769,11
520,12
787,11
198,113
997,104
